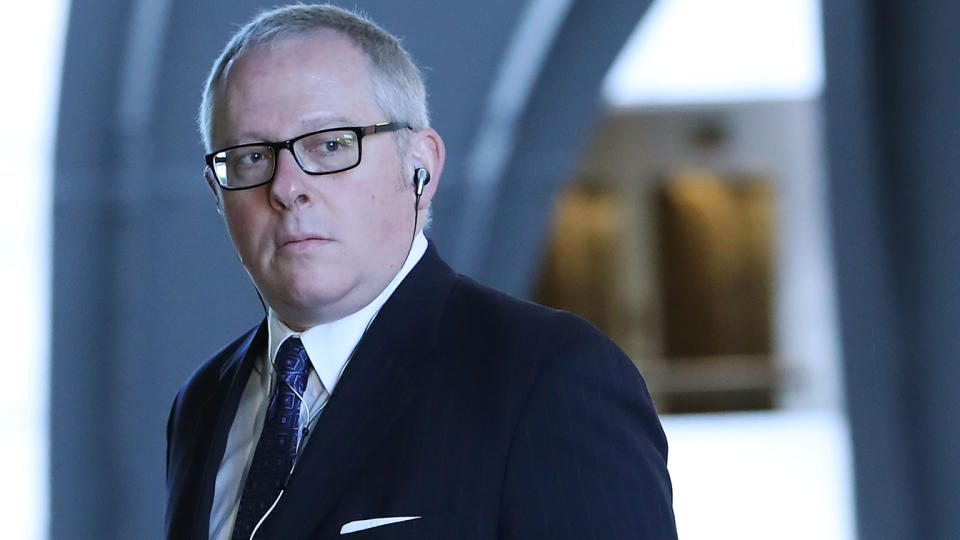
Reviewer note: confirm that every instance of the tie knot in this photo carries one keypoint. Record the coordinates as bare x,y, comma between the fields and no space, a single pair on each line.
291,363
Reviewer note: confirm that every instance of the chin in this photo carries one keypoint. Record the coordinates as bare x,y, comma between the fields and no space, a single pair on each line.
310,300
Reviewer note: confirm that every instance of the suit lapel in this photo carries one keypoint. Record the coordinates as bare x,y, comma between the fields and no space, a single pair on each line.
218,412
378,384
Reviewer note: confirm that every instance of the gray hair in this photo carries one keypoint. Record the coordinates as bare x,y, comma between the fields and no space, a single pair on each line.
397,84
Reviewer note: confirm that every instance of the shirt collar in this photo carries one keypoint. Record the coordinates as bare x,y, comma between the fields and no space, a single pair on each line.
330,345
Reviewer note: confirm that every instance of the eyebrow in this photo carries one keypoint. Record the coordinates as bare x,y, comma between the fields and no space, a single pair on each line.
306,125
323,122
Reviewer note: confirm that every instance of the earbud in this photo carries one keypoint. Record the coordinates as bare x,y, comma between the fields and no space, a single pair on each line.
421,177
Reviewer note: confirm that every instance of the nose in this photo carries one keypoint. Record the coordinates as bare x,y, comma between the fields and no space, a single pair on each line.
288,189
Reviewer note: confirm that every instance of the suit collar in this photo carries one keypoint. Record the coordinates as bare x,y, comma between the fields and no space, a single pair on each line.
330,344
410,319
241,359
220,409
376,387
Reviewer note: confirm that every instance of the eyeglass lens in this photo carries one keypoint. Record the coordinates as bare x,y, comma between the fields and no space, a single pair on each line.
318,153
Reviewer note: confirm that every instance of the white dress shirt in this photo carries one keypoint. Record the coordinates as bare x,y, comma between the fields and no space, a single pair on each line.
329,347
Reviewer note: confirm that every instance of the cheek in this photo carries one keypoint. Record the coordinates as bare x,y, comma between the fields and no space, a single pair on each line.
237,222
394,209
246,227
379,210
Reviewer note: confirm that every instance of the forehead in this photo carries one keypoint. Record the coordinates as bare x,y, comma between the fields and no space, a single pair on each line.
279,89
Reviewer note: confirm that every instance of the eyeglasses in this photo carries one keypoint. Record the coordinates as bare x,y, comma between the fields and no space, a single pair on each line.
326,151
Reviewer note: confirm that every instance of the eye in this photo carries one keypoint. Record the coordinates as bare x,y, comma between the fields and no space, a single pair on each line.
332,145
252,157
329,143
249,158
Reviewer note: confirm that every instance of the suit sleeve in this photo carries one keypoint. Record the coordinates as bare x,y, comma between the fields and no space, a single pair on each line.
588,459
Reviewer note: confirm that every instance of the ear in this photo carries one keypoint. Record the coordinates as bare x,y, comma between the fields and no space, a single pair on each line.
427,151
214,187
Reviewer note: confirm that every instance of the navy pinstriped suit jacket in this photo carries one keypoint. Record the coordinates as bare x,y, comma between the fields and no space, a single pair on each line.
490,417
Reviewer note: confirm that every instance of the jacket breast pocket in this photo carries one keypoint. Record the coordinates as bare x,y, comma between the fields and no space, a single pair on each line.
429,527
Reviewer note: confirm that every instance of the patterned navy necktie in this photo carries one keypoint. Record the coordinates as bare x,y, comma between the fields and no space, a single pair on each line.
277,449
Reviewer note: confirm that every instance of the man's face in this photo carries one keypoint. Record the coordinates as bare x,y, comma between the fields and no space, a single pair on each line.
318,247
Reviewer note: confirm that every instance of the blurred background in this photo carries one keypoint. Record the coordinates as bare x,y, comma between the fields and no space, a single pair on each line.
755,198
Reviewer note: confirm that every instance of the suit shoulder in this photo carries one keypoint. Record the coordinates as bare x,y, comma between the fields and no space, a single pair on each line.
209,372
493,311
522,335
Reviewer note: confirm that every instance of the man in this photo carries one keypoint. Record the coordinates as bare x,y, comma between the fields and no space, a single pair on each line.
384,396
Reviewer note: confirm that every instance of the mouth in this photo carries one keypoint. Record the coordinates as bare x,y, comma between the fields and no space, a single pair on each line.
302,242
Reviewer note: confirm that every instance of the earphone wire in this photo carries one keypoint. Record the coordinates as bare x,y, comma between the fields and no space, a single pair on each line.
262,303
416,214
309,421
305,431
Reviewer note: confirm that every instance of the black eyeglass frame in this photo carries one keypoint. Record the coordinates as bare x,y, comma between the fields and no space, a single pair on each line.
360,131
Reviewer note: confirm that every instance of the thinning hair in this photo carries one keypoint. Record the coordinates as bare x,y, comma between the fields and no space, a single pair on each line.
396,82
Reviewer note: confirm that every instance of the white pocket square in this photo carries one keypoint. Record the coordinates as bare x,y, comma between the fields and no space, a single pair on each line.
365,524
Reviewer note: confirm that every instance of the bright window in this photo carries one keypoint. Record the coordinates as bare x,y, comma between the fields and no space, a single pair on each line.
783,473
34,41
694,51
